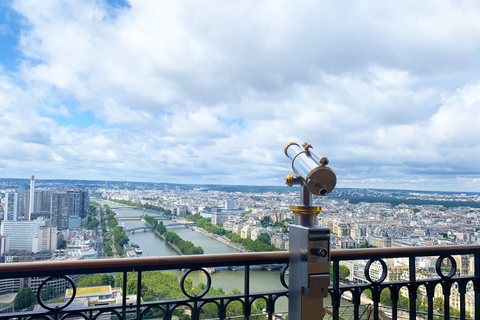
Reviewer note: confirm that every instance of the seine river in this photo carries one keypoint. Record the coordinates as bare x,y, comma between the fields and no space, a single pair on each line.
151,245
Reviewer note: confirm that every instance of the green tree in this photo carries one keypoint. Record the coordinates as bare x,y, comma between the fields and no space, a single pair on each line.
47,293
24,299
93,224
96,280
438,304
264,238
386,297
343,272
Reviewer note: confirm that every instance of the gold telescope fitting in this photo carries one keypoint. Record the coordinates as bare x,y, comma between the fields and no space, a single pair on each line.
306,210
288,145
289,180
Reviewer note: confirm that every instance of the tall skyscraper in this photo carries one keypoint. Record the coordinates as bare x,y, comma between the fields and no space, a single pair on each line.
62,208
22,204
11,206
32,197
66,204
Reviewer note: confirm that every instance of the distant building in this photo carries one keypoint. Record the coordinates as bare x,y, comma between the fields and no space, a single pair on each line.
10,285
59,285
180,211
256,232
62,208
3,244
280,241
32,197
11,206
66,204
21,235
47,238
219,218
74,222
230,204
246,232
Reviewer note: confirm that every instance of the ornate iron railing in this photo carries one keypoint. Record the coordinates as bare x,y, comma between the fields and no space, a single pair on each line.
191,304
130,273
377,284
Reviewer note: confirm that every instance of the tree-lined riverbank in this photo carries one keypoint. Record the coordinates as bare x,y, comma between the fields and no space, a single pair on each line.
185,247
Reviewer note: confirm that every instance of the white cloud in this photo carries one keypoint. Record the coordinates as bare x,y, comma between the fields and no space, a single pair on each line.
212,92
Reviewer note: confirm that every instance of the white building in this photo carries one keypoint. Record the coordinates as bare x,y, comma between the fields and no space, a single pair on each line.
279,241
245,233
237,229
256,232
21,235
47,238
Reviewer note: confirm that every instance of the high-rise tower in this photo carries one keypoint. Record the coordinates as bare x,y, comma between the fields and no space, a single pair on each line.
32,197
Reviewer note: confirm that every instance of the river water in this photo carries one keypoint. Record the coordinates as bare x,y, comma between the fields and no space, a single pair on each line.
151,245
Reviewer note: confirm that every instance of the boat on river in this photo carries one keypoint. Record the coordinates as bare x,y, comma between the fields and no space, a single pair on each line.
136,248
210,270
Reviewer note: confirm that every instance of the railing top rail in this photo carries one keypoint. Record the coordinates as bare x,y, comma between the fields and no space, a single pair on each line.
49,268
378,253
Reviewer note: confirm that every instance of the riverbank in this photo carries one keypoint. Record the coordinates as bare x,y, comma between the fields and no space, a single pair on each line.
171,244
221,239
174,247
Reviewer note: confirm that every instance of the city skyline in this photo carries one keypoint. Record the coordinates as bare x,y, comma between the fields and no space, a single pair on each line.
210,93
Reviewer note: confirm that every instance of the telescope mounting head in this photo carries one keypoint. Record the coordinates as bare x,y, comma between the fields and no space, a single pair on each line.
311,173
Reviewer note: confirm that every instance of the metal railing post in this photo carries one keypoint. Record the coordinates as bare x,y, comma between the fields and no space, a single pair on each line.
124,296
412,288
476,284
309,261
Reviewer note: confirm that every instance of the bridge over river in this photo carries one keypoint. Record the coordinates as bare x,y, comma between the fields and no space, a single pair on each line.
160,217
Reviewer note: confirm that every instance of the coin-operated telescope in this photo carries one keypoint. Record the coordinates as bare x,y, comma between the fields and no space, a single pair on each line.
309,261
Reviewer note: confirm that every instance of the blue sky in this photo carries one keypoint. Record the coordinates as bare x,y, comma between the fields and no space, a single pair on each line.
211,92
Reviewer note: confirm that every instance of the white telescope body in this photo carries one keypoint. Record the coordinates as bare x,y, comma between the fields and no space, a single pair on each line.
319,179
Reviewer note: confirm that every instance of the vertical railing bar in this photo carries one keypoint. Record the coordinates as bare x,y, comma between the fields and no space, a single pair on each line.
394,292
430,296
196,311
476,284
124,296
412,288
376,301
139,292
247,292
462,291
270,307
222,310
446,302
336,289
356,295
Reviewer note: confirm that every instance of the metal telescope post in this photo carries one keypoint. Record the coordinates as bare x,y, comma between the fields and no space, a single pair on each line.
309,262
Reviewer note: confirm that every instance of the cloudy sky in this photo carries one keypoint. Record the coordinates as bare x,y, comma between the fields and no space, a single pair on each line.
211,91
